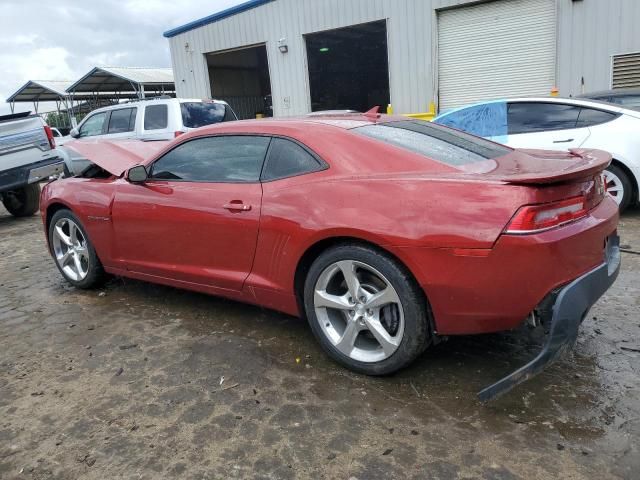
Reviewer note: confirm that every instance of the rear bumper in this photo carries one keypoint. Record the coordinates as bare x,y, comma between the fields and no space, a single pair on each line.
493,290
570,305
35,172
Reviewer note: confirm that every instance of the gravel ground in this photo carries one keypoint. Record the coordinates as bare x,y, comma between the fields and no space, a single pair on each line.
137,381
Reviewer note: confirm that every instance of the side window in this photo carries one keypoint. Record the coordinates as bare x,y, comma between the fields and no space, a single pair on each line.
93,126
288,159
122,120
156,117
589,117
541,117
224,159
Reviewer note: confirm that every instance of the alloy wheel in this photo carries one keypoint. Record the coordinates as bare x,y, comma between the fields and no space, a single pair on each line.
359,311
615,187
70,249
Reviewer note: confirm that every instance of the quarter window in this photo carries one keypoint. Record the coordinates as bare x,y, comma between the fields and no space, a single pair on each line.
93,125
541,117
156,117
123,120
589,117
288,159
223,159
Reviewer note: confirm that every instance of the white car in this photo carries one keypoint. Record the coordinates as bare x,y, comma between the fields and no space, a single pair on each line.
148,120
59,138
558,124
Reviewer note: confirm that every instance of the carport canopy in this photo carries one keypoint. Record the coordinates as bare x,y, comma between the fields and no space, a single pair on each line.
124,82
37,91
41,91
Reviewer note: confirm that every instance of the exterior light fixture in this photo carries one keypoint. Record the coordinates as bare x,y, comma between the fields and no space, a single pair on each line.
324,49
282,45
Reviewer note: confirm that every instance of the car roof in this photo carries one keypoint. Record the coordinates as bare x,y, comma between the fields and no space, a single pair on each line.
153,101
345,121
618,92
570,101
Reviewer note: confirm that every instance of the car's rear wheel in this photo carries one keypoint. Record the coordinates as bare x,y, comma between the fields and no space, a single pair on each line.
72,251
618,186
23,202
366,310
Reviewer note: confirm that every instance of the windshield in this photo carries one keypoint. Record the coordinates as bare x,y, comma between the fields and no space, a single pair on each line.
199,114
435,142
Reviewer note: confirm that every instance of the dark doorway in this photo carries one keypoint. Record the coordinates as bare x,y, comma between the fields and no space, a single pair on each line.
241,78
349,67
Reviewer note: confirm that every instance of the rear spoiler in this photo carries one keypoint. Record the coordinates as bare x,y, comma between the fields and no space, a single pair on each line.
571,165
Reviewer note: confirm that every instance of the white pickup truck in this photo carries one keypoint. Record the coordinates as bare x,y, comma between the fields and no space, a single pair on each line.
27,157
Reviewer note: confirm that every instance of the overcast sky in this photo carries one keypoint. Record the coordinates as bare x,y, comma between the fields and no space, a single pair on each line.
64,39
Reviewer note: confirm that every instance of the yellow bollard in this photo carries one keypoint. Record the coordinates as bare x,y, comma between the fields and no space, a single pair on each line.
389,109
555,92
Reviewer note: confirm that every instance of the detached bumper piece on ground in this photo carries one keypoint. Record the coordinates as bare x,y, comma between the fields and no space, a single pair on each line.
570,305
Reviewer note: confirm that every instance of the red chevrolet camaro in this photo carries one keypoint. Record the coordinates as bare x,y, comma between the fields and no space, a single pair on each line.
384,232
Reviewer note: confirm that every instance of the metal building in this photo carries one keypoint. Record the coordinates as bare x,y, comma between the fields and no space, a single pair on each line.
307,55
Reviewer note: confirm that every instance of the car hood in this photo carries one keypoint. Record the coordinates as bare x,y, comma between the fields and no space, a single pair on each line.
117,156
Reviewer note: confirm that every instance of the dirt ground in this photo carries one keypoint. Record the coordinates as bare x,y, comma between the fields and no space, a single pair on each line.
137,381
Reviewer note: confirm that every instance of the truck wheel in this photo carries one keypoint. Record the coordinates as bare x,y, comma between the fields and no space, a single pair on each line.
23,202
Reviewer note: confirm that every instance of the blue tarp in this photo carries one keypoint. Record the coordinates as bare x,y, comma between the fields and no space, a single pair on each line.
488,120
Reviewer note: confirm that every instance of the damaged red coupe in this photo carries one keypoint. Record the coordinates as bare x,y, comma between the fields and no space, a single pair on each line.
384,232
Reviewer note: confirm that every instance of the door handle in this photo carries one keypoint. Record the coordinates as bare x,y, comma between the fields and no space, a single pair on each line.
563,141
237,206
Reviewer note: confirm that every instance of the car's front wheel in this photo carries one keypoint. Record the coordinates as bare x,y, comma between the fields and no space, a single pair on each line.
366,310
72,251
618,186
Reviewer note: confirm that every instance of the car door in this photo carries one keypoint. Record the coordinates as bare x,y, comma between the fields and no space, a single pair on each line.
155,123
544,125
196,218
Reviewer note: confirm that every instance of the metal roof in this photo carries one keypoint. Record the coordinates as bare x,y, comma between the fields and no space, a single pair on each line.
41,91
124,79
243,7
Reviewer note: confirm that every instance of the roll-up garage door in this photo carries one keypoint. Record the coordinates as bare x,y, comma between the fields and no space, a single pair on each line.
499,49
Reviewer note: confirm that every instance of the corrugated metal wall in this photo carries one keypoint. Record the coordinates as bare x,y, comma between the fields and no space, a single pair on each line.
589,32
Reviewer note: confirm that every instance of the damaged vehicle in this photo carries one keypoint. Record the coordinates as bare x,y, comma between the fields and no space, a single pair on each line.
386,233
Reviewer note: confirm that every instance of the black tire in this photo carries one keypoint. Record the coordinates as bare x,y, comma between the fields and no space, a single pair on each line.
23,202
95,274
627,187
417,334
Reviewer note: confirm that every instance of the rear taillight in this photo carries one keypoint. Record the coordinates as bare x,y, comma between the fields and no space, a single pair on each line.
536,218
49,132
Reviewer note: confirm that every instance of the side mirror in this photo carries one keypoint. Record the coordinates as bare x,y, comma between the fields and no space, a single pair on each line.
74,133
137,174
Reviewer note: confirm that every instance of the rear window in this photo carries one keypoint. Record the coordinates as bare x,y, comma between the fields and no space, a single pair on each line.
434,141
199,114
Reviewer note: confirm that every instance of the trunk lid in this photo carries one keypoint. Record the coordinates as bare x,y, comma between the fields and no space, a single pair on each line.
116,157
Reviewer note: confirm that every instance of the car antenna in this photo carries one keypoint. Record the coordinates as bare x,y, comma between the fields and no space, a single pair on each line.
373,113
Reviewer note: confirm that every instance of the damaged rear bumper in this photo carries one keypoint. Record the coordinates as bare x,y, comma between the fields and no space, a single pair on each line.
569,306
